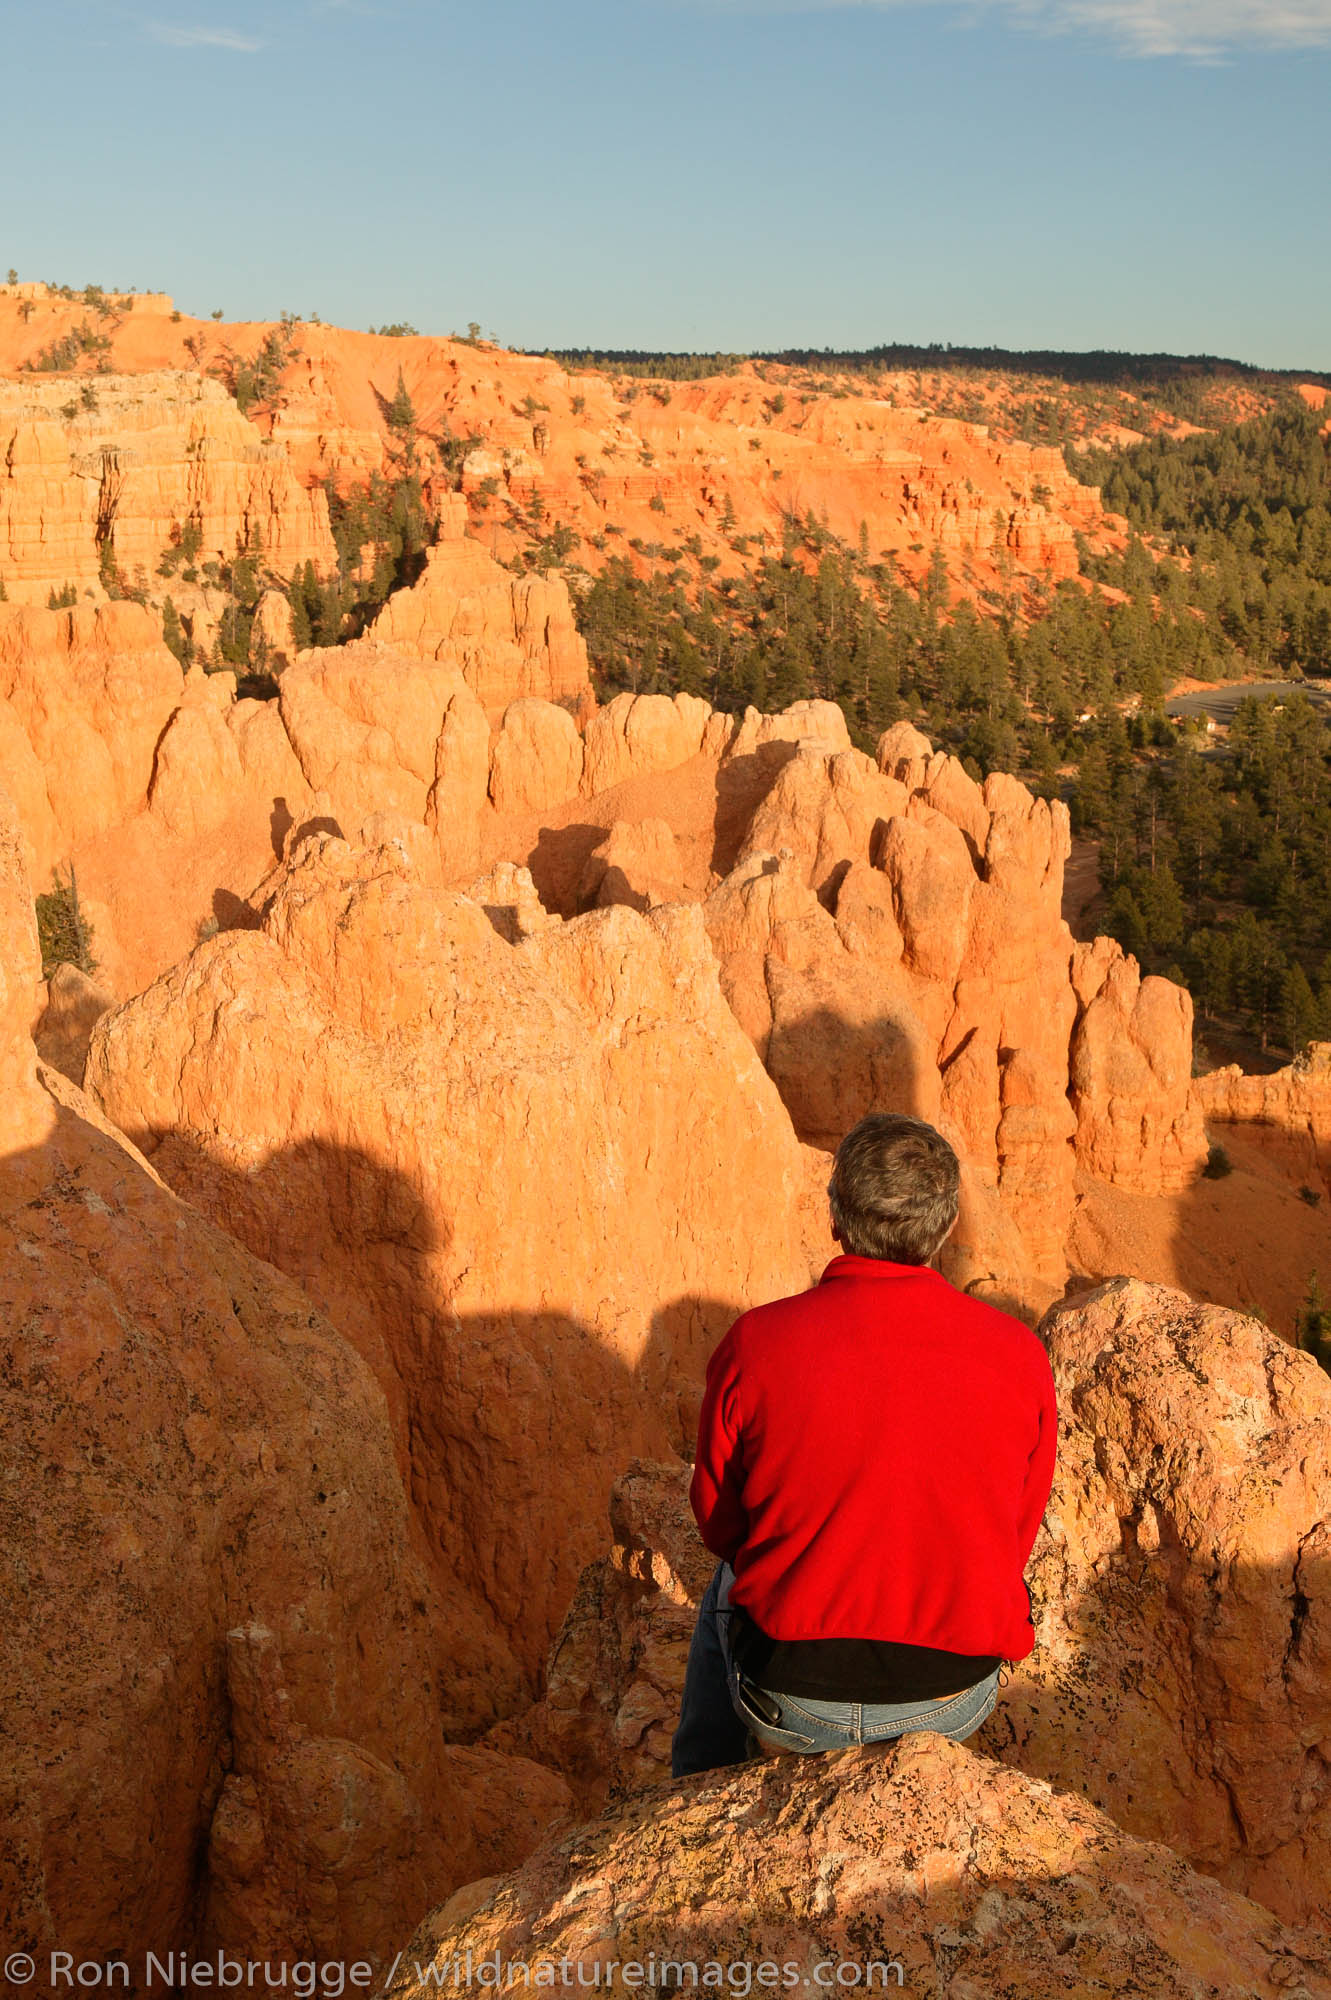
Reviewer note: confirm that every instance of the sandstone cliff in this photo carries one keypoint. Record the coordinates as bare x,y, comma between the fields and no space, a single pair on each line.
84,697
132,463
614,461
477,1156
1287,1114
222,1713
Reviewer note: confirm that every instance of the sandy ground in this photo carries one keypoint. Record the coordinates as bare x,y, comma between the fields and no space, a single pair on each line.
1249,1240
707,806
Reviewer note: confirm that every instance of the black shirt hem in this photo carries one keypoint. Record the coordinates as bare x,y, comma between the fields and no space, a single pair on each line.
867,1670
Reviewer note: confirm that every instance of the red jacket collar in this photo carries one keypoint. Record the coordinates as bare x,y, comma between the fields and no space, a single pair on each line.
874,1267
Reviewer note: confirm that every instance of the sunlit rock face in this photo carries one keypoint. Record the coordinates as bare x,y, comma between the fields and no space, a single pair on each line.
920,1867
130,460
532,1181
1182,1669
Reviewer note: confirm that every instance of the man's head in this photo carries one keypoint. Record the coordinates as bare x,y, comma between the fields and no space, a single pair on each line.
894,1189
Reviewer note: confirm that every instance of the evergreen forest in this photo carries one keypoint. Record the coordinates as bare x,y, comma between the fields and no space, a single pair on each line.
1215,854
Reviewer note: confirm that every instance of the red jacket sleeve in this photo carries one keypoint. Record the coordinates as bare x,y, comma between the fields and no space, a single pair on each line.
1040,1470
718,1465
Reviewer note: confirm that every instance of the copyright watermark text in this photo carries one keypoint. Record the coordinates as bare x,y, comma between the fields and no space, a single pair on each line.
176,1972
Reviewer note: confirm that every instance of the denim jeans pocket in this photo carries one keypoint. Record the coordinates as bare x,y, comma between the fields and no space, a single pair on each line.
769,1732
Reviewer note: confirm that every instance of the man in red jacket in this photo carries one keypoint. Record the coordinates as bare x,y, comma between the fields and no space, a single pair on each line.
874,1458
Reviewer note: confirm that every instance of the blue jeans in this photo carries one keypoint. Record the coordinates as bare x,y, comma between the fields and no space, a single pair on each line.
710,1733
717,1718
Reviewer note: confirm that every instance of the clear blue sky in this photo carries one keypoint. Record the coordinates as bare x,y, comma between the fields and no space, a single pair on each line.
691,173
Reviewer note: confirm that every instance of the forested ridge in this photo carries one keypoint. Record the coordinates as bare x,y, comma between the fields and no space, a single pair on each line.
1215,856
1040,395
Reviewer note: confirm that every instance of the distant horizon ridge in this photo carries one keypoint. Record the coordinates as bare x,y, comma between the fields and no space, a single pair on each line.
1073,363
905,354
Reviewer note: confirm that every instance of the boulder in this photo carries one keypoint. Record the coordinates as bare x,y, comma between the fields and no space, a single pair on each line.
638,733
537,757
637,864
364,722
826,808
918,1867
1182,1590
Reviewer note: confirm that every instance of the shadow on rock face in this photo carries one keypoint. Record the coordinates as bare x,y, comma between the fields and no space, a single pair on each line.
742,783
510,1427
221,1701
234,913
832,1071
557,863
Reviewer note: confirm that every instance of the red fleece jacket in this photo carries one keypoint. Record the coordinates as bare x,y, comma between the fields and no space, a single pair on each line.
874,1457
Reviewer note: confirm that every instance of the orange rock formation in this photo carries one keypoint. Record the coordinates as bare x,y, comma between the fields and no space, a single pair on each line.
172,797
516,1032
614,461
508,636
1287,1115
476,1156
892,935
938,1869
881,929
149,455
1182,1583
221,1650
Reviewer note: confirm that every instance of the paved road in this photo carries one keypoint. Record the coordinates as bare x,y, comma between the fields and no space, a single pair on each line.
1222,702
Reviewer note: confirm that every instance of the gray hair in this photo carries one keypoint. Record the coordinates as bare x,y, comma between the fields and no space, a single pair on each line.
894,1189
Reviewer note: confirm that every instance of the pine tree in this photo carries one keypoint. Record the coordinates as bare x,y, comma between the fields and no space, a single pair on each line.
1091,799
1300,1015
1161,906
401,413
173,633
1124,921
